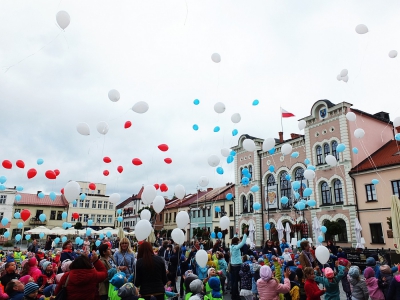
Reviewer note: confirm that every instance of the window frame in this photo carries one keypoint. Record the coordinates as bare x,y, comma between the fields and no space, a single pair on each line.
337,190
325,194
327,150
334,145
318,152
285,189
377,241
250,168
99,204
370,192
245,207
110,219
231,210
251,202
343,236
52,216
94,204
3,199
299,176
396,182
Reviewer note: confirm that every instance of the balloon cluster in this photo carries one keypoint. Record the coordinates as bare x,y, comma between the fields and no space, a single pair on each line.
343,75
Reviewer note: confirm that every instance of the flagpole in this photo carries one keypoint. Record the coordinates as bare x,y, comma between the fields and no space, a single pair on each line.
281,121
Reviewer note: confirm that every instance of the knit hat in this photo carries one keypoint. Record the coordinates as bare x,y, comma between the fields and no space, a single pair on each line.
196,286
127,290
188,281
260,260
385,269
329,273
32,262
30,288
265,273
45,265
292,276
215,285
42,262
209,270
369,272
65,265
370,261
25,279
187,273
354,272
343,262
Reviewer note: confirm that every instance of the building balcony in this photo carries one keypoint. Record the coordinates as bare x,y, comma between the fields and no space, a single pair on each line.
34,221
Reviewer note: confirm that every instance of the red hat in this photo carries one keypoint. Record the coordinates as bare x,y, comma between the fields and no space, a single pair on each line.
32,262
343,262
329,273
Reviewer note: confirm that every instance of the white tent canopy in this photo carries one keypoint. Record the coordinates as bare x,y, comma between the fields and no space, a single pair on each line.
38,230
58,231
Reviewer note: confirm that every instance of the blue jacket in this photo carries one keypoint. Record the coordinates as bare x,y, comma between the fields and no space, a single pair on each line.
283,246
236,258
332,288
127,260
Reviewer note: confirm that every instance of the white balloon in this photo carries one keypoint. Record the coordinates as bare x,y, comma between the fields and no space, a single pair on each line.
180,191
359,133
83,128
140,107
201,258
224,222
344,72
72,191
351,116
149,193
361,29
219,107
203,181
322,254
309,174
338,77
345,78
396,122
213,160
268,144
302,124
142,230
114,198
392,53
102,127
249,145
178,236
63,19
113,95
216,57
225,152
286,149
145,214
331,160
182,219
158,204
236,118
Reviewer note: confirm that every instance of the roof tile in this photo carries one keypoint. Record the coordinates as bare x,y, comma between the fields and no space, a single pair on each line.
33,199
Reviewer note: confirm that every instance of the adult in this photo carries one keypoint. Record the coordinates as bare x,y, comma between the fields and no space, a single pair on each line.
67,252
125,258
33,247
15,290
269,248
163,248
86,244
174,260
332,247
284,245
306,259
48,244
236,262
116,243
151,275
83,278
277,248
105,257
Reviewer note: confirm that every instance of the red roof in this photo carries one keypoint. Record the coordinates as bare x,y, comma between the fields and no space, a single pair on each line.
33,199
386,156
218,193
130,199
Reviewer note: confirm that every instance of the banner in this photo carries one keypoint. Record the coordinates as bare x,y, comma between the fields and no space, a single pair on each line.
271,196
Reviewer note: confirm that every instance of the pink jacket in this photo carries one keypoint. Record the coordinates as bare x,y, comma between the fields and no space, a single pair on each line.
374,291
35,273
270,290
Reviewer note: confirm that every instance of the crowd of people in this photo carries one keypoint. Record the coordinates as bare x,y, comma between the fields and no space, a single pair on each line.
163,270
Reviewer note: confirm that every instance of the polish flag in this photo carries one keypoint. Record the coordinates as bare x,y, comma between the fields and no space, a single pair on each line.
286,114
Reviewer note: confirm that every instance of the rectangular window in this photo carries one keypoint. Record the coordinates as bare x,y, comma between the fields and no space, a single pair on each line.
81,203
105,205
52,215
1,216
166,217
396,188
75,203
104,218
170,219
16,210
110,217
133,222
371,192
3,199
80,218
204,212
231,210
208,212
111,206
174,217
59,215
231,232
87,203
98,218
376,233
160,217
94,204
222,210
216,214
100,205
98,191
85,217
93,218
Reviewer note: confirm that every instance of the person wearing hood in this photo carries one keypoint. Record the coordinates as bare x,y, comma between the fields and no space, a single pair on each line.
47,278
359,286
30,268
268,287
345,282
385,280
372,284
196,287
331,282
245,282
215,286
189,278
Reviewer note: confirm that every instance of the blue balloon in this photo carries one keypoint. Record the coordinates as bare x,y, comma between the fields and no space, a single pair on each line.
256,206
233,153
216,129
41,195
41,235
272,151
284,200
90,222
195,127
296,185
311,167
101,236
120,219
88,231
234,132
301,206
42,217
108,234
19,188
7,234
340,148
288,177
20,225
56,240
267,226
219,235
40,161
17,197
2,187
355,150
397,137
53,196
229,196
298,244
196,101
213,235
245,181
17,215
77,240
217,209
307,192
295,154
324,229
306,161
375,181
311,203
3,179
18,237
320,239
81,242
65,225
119,211
245,171
255,188
4,221
255,102
64,239
271,168
296,195
69,224
230,159
74,202
220,170
64,215
98,243
83,196
28,237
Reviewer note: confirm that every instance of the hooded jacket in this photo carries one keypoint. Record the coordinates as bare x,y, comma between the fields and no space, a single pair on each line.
270,289
360,290
394,288
372,284
245,277
332,287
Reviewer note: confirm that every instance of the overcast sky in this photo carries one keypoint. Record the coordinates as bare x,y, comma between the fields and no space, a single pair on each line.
283,53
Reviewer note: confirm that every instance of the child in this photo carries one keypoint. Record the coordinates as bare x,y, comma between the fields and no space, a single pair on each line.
286,255
31,291
294,293
215,286
301,281
196,287
10,273
310,286
372,284
386,279
269,288
48,276
331,282
245,282
359,287
128,292
345,282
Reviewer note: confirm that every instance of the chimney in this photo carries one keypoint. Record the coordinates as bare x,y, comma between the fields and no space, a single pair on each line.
281,136
209,189
294,135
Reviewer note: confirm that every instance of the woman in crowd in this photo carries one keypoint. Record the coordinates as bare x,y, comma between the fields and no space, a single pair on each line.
105,257
269,248
49,242
67,252
125,258
150,275
236,262
173,266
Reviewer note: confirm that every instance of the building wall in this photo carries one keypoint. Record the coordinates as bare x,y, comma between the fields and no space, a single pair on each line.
217,216
7,198
202,221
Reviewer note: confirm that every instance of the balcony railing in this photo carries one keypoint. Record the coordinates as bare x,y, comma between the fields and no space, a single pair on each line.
34,221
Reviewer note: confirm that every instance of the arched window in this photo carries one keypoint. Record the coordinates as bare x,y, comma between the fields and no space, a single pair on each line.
338,191
334,153
241,173
251,203
319,155
244,204
342,237
251,172
270,180
286,189
299,176
325,193
327,150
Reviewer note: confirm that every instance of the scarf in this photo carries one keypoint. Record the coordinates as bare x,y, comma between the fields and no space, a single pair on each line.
67,250
309,257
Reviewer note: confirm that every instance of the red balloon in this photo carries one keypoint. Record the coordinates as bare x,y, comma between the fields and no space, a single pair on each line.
7,164
57,172
136,161
50,174
75,216
168,160
25,214
163,147
92,186
127,124
106,173
163,187
106,159
62,191
157,186
20,164
120,169
31,173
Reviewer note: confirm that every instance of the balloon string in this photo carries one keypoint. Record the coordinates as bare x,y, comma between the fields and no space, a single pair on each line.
187,12
372,163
